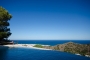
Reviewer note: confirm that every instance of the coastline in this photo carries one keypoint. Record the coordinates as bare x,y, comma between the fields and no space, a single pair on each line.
24,46
30,46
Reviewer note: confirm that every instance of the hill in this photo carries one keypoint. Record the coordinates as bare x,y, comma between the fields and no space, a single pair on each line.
71,47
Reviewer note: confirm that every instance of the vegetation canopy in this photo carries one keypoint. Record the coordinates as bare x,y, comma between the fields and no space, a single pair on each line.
4,23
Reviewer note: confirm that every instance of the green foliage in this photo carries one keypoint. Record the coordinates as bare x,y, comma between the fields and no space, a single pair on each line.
38,45
4,23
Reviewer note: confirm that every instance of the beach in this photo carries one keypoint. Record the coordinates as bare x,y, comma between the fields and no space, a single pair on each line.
24,46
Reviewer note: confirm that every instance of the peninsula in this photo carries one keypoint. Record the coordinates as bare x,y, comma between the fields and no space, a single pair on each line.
71,47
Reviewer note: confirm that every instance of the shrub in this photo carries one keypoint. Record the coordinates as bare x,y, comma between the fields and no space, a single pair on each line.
38,45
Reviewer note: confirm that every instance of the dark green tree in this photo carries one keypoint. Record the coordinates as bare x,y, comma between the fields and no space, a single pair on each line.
4,23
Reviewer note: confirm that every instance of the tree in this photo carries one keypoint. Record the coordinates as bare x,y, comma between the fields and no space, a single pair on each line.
4,23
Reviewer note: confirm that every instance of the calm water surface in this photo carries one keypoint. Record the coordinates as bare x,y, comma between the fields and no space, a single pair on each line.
36,54
51,42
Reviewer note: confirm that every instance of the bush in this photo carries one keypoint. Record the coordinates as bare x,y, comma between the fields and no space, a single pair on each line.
38,45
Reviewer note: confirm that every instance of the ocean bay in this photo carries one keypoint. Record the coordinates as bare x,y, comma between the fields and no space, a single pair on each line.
37,54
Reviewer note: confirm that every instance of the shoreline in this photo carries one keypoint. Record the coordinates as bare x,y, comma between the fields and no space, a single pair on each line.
24,46
31,46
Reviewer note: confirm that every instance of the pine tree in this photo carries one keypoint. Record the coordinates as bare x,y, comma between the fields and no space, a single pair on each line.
4,23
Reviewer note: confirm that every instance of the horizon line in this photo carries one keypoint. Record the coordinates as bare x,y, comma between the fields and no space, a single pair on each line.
49,39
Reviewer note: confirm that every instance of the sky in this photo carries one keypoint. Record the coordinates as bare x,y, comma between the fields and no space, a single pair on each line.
49,19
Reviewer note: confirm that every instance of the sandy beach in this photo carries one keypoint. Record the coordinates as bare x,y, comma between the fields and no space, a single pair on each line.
24,46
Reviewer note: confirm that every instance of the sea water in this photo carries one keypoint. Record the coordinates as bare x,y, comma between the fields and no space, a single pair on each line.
51,42
37,54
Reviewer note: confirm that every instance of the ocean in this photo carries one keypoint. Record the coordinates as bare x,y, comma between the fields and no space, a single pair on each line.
37,54
50,42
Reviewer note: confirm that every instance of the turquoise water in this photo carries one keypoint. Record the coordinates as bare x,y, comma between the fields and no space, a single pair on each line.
36,54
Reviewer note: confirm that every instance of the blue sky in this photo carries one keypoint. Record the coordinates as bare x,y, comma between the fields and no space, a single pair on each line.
49,19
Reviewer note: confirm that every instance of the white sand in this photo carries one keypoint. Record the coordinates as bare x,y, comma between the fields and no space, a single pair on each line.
77,54
87,55
26,46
